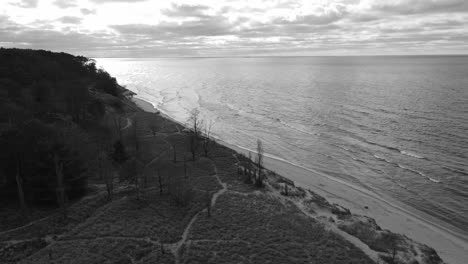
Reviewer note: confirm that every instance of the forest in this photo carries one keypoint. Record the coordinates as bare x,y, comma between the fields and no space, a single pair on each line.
56,118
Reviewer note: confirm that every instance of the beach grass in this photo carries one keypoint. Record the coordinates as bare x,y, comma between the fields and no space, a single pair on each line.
150,224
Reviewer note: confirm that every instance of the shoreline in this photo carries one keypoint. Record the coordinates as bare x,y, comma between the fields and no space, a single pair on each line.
389,215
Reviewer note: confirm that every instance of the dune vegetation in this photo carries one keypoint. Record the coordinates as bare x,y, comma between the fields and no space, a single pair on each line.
87,176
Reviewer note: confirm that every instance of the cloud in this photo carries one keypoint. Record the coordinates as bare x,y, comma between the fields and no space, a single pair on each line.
4,19
234,27
86,11
326,17
65,3
420,6
70,20
211,26
26,3
185,10
116,1
6,25
20,36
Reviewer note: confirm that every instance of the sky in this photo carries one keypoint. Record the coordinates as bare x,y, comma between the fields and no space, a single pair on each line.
173,28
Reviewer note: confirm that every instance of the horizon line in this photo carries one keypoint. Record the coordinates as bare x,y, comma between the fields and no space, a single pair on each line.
287,56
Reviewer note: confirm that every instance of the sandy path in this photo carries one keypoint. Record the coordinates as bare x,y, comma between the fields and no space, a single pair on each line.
452,246
177,247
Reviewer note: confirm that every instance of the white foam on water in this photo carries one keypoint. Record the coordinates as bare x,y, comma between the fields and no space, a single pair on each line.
407,153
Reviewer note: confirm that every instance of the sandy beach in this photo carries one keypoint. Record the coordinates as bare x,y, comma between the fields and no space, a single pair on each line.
389,214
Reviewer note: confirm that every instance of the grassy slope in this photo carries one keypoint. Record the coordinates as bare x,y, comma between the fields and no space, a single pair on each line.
246,225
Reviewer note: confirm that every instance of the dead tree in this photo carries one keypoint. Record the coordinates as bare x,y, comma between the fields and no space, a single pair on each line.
207,140
137,156
19,184
185,168
394,247
60,190
159,181
118,126
195,124
259,163
208,203
106,172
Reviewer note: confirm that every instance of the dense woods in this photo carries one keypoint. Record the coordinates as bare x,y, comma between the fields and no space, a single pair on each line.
53,111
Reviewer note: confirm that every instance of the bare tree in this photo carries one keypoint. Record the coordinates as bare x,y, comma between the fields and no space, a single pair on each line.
259,163
106,172
118,125
394,247
135,136
19,184
60,190
208,202
185,168
137,157
195,124
207,140
136,160
160,181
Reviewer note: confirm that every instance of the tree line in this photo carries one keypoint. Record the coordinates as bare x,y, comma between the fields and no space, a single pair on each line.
52,107
62,122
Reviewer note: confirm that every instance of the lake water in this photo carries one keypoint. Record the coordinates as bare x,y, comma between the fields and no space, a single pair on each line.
393,126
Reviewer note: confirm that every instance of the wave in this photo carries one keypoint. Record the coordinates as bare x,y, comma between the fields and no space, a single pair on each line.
384,159
382,146
401,151
297,128
455,171
418,172
408,169
344,148
411,154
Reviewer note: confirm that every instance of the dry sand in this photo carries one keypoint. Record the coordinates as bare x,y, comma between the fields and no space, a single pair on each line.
389,214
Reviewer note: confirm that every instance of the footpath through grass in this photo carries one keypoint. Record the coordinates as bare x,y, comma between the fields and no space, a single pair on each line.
244,224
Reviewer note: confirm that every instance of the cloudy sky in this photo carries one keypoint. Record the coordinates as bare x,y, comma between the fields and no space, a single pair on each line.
156,28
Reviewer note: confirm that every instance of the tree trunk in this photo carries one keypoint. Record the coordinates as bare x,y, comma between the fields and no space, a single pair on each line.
208,203
185,168
160,183
101,174
109,191
145,179
19,184
109,178
136,180
60,186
